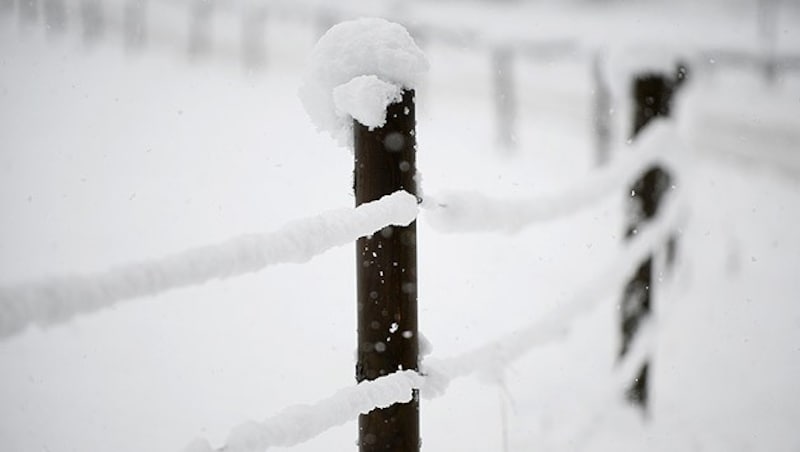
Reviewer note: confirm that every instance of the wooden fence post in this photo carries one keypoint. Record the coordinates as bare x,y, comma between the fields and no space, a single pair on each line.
504,95
652,95
324,19
93,21
387,277
200,28
768,12
254,28
6,6
134,24
601,117
55,16
28,11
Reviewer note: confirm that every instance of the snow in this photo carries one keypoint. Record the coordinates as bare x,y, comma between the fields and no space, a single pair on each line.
361,47
465,211
365,99
109,158
753,119
501,353
300,423
59,299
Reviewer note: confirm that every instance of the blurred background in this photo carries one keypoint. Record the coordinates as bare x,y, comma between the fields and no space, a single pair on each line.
132,129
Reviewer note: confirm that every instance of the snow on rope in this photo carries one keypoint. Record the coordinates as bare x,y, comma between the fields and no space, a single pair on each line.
57,300
301,423
502,352
475,212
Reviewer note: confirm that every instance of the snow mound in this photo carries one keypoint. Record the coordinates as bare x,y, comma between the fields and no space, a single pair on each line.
365,99
361,47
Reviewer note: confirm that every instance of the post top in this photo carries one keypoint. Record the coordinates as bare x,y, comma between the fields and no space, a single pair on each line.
351,49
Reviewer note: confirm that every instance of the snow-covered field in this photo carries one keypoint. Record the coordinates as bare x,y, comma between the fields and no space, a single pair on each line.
109,157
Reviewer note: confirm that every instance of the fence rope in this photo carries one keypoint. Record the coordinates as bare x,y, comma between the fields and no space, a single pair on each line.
57,300
463,211
301,423
504,351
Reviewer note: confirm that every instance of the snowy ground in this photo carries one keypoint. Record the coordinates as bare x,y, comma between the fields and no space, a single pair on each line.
108,158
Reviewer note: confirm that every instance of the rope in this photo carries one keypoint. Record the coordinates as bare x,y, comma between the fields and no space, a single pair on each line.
474,212
57,300
301,423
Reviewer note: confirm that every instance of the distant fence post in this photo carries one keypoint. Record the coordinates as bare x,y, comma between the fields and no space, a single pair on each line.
386,272
200,32
254,48
324,19
28,11
601,117
6,6
134,24
768,35
93,21
55,16
504,94
652,95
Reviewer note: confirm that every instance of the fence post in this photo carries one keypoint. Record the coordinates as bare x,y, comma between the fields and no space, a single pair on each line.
768,37
387,277
134,24
93,21
55,16
6,6
200,39
28,11
504,94
324,19
652,95
601,118
254,27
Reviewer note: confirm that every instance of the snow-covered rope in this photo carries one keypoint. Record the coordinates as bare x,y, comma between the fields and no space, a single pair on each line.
303,422
300,423
502,352
475,212
57,300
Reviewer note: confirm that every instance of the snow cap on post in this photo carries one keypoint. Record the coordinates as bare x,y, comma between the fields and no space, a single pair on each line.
357,69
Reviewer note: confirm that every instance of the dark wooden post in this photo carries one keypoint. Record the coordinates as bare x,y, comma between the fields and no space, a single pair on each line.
387,277
652,95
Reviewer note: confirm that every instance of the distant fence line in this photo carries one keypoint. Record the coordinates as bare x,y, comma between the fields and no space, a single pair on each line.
98,19
134,19
464,211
